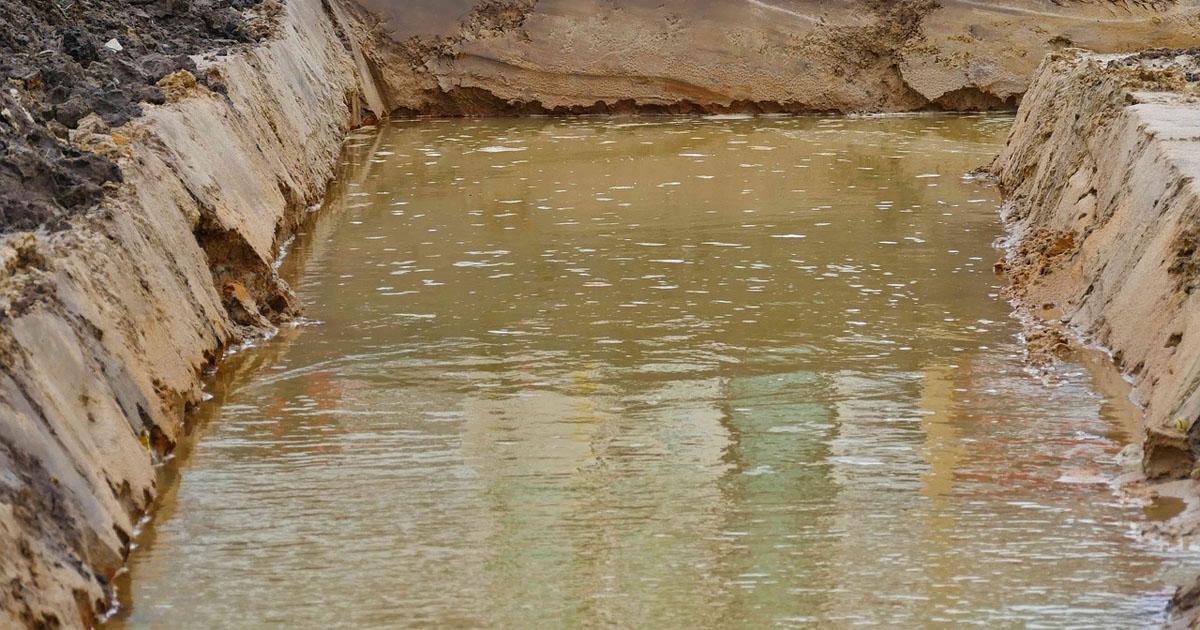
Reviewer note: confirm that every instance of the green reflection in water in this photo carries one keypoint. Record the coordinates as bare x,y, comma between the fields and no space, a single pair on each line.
651,372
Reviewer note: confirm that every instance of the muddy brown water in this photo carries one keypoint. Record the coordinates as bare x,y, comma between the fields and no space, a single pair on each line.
686,372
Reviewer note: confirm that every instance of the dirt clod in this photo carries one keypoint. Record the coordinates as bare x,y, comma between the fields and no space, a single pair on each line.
178,85
67,65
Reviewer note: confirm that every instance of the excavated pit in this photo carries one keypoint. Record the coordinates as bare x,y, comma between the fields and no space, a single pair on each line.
145,191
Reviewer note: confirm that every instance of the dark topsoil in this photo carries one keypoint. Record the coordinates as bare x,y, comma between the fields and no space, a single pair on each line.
55,69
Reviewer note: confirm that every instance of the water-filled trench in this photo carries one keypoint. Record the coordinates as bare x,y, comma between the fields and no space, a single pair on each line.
676,372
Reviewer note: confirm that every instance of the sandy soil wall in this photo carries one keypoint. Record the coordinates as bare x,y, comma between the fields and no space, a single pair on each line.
515,56
108,324
1104,206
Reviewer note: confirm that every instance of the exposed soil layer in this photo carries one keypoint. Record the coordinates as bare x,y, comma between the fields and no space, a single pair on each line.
1101,173
1100,170
465,57
61,62
133,284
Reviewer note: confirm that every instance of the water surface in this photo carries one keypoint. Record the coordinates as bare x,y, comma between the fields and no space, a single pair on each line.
655,373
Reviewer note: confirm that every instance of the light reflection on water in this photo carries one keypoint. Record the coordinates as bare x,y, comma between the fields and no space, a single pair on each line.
651,372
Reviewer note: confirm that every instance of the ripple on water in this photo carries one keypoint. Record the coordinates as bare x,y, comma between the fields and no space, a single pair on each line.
695,372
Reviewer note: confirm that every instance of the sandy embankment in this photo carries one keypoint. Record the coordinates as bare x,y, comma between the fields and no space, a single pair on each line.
109,322
1103,208
1101,173
527,56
